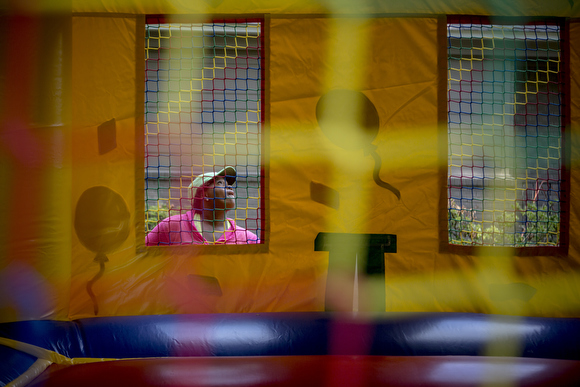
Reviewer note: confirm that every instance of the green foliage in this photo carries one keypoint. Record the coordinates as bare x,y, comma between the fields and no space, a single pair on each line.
155,214
526,225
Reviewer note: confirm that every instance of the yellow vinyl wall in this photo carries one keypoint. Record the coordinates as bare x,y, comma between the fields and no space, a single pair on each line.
53,112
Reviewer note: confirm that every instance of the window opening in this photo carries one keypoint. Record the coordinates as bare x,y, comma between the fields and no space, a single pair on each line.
505,89
203,112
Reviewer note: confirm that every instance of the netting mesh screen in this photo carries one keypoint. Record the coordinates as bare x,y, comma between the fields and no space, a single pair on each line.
202,112
505,94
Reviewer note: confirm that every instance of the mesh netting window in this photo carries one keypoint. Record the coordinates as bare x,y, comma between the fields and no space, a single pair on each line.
505,133
203,112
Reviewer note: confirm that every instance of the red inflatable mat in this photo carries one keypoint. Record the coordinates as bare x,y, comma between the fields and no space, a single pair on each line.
425,371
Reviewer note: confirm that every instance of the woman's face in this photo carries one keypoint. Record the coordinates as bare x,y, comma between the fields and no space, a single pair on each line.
220,194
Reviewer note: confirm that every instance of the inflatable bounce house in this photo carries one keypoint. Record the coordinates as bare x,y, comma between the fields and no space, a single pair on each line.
290,192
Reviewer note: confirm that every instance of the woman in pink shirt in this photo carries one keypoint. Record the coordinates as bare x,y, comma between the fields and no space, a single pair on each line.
206,223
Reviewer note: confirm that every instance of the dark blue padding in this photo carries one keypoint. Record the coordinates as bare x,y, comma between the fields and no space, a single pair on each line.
261,334
317,333
552,338
59,336
13,363
265,334
471,334
308,333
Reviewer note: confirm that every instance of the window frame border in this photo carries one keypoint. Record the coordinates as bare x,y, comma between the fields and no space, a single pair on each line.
444,245
200,249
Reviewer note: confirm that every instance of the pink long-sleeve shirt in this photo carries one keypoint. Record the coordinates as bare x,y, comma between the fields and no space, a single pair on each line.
181,230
